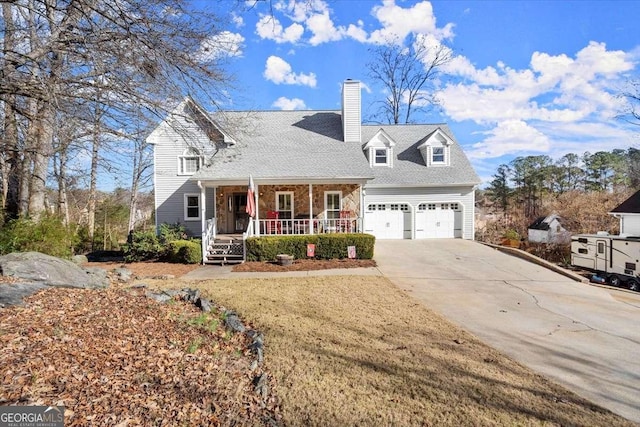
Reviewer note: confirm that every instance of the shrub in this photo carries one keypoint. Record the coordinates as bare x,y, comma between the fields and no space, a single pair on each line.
142,246
328,246
48,235
184,251
171,232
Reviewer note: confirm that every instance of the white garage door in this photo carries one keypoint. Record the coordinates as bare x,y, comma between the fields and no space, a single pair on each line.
436,220
387,220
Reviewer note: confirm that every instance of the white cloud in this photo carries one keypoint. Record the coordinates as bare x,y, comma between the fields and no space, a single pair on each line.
237,20
322,28
559,104
553,88
510,136
220,45
398,22
268,27
289,104
279,71
315,17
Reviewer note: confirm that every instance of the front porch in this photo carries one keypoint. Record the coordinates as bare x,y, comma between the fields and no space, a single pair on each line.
280,209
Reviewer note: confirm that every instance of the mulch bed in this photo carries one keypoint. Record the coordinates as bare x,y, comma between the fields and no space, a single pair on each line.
304,265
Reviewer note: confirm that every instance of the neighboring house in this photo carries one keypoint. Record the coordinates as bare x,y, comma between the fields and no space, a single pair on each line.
549,229
629,214
313,172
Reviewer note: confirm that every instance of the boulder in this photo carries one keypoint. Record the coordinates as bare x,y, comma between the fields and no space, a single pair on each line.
79,259
13,293
51,271
233,322
123,274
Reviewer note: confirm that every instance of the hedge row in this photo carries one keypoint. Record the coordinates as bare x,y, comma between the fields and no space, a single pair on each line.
145,245
185,251
327,246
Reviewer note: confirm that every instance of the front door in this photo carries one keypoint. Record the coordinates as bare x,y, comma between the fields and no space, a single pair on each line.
239,214
601,255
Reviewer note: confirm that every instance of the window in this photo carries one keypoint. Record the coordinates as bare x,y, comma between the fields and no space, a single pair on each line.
189,162
396,207
600,247
191,207
332,204
437,155
380,156
284,204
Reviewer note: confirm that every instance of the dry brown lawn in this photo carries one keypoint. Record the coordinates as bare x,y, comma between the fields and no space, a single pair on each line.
358,351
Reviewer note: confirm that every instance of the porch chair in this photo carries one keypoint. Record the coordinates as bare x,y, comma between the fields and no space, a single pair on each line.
273,227
344,223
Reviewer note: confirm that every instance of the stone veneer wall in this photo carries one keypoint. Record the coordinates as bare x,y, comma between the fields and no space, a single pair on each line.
350,199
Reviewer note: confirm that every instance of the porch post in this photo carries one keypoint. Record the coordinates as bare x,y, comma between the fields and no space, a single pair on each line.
310,208
361,215
215,203
256,196
203,208
203,220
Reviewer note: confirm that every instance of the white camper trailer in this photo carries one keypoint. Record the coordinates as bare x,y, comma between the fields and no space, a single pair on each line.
615,258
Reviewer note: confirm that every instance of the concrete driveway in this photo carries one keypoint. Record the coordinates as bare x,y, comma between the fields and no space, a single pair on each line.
584,337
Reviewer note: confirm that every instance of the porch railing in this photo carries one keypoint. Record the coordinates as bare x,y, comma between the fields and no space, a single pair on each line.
309,226
208,236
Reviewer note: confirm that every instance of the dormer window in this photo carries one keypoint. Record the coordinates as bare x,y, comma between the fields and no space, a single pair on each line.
436,149
379,149
381,157
190,162
437,155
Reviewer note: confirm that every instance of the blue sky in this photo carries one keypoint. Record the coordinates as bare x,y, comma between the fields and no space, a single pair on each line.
527,78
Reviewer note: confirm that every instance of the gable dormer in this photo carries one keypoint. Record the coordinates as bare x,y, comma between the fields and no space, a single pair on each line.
436,149
186,124
379,149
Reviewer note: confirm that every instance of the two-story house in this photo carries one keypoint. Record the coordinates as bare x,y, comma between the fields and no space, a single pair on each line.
311,172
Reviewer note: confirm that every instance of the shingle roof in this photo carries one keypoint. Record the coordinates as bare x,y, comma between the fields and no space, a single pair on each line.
631,205
408,164
308,144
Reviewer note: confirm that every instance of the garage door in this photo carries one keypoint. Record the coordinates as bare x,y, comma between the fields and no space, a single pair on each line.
388,220
436,220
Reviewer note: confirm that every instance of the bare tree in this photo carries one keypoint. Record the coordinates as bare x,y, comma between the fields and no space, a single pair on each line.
406,73
632,96
56,53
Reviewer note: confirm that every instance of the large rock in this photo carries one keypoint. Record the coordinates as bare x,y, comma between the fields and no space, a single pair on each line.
50,271
13,293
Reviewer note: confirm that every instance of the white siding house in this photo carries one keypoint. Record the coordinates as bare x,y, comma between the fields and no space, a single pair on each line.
629,214
313,172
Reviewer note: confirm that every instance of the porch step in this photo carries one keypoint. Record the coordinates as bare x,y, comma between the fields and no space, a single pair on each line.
225,251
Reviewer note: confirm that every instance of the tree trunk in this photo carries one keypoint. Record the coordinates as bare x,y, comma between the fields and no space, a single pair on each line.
95,150
63,204
11,166
41,156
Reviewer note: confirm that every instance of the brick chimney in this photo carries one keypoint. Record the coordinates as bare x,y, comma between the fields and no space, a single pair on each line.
351,111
